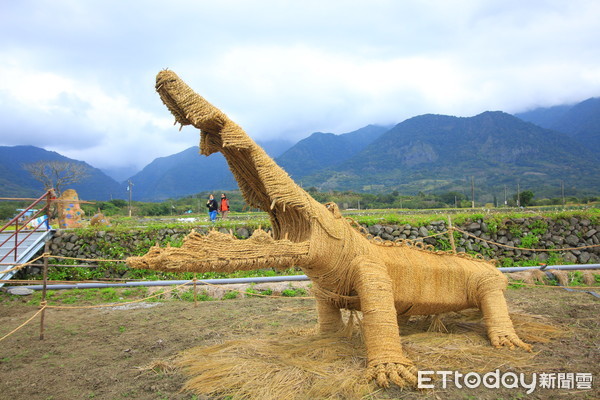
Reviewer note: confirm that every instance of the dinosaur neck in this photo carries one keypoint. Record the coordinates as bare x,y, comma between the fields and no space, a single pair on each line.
266,186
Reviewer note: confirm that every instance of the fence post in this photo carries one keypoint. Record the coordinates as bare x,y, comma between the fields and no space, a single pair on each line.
45,282
451,234
16,240
195,292
49,207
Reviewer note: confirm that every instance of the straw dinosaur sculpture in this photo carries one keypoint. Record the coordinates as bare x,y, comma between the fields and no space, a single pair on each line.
387,282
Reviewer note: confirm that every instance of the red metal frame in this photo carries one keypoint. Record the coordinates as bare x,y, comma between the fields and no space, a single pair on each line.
18,229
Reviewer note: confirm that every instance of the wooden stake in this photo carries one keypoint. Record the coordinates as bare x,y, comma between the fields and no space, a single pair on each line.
195,292
451,235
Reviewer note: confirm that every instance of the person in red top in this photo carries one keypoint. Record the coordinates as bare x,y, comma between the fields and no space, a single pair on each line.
224,207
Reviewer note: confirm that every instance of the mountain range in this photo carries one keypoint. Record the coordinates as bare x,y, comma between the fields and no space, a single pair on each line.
323,150
541,149
442,153
580,121
15,181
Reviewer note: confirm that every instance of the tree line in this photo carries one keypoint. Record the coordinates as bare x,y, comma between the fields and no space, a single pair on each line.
195,204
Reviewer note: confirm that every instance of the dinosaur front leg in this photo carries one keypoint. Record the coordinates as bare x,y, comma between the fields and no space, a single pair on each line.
219,252
386,361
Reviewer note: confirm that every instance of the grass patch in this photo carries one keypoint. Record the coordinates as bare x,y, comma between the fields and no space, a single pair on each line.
109,295
517,284
230,295
294,292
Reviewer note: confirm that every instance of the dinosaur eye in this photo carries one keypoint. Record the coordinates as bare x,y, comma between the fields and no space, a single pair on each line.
328,205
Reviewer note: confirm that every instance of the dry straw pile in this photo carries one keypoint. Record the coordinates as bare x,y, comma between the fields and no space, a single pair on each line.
299,365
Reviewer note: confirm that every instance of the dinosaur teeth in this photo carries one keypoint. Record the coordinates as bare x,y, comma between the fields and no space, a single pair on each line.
273,203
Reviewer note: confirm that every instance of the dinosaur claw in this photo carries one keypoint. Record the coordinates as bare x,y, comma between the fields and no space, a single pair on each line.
401,374
510,340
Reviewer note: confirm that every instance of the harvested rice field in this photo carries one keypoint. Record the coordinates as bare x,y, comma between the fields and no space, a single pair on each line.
265,348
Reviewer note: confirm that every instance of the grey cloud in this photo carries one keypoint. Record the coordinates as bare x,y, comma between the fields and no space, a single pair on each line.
476,56
65,125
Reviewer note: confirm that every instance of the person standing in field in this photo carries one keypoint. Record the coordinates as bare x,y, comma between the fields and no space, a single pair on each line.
224,208
212,208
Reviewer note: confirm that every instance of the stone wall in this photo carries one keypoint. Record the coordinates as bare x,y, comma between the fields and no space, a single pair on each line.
534,232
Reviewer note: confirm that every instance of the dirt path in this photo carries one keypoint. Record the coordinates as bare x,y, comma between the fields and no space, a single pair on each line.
101,353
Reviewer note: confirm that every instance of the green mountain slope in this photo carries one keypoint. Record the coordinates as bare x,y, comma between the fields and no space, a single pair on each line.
322,150
545,117
438,152
188,172
182,174
580,121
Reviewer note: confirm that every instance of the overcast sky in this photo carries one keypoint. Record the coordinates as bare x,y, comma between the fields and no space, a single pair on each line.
78,76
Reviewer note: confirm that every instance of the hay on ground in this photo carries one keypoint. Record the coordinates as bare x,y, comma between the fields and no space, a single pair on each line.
298,365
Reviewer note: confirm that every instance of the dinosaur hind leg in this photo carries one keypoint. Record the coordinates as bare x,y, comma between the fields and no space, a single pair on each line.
499,326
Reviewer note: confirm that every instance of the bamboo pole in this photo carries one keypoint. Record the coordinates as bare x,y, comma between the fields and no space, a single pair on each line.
45,275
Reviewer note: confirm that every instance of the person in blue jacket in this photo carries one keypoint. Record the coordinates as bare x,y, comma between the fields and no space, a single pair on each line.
213,208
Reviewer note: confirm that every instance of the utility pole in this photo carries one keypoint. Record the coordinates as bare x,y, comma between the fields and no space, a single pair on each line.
505,196
130,190
472,191
518,195
562,191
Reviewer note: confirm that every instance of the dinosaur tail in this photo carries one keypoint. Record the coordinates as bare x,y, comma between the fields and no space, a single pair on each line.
219,252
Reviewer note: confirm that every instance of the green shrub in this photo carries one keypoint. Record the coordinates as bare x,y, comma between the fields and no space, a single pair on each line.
205,297
293,292
187,295
529,241
230,295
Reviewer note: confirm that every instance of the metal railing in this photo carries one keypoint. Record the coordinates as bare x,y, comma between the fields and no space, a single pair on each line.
21,222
